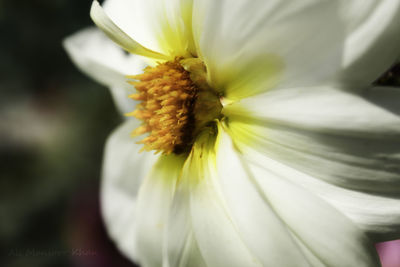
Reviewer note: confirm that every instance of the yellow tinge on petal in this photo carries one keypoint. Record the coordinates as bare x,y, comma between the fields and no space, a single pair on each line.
202,158
104,23
255,76
243,132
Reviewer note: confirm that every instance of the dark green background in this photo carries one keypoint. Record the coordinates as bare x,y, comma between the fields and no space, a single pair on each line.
53,125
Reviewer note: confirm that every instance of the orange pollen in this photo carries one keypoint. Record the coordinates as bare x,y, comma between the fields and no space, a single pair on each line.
168,97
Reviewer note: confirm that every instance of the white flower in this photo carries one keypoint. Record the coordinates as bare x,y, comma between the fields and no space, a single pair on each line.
302,166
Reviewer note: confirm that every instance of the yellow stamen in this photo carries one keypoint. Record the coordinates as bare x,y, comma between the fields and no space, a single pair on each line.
170,112
161,89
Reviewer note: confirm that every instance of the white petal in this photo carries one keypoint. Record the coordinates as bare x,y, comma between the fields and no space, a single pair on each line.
228,212
180,247
355,163
377,215
191,255
161,25
218,239
327,233
101,19
154,202
361,168
373,39
260,228
105,62
232,224
368,113
132,20
252,46
123,170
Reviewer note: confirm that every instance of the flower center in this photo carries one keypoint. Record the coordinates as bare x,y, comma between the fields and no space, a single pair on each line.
176,103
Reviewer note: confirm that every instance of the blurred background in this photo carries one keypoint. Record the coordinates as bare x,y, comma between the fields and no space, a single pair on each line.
53,125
